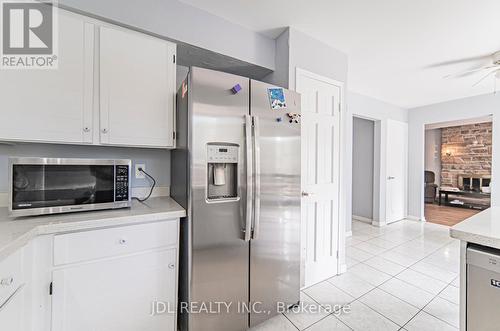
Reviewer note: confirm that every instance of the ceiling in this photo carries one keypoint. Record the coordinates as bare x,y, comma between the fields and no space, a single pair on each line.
394,46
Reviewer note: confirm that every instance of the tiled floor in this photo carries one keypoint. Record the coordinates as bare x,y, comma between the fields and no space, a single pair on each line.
400,277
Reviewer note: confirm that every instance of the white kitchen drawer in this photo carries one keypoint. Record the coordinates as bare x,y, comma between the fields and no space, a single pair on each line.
95,244
11,275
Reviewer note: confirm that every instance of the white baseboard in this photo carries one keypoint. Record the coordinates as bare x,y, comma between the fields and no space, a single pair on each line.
362,219
140,192
415,218
348,233
379,224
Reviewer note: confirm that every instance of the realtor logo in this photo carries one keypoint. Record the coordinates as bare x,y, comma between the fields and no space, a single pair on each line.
28,35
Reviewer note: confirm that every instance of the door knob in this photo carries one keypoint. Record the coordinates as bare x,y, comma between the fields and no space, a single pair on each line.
171,265
391,177
122,241
307,194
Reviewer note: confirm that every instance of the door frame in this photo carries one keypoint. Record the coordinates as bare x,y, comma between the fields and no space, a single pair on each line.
341,263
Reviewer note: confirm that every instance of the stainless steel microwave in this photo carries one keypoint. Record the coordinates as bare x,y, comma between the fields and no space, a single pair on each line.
52,185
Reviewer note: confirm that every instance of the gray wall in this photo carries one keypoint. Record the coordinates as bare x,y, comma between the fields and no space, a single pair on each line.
181,22
362,167
433,153
380,112
157,161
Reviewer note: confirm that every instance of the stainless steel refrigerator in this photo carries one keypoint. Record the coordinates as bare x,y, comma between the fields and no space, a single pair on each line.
236,170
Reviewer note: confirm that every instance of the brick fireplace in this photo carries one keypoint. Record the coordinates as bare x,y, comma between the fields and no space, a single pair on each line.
465,153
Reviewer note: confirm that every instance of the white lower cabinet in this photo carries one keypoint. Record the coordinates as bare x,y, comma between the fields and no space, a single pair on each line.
116,294
96,280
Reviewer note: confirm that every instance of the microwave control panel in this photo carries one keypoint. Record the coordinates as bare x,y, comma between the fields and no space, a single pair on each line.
121,182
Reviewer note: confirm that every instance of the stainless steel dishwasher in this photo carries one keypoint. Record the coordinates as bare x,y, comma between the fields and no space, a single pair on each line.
483,288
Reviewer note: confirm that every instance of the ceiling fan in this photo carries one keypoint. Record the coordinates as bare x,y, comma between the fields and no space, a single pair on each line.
491,69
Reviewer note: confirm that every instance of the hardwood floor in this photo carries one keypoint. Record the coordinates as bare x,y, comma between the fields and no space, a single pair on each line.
446,215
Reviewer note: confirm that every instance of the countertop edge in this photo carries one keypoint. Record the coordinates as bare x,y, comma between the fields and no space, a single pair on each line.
82,225
475,238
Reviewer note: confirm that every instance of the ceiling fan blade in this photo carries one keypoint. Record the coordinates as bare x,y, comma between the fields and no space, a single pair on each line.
463,73
462,60
486,76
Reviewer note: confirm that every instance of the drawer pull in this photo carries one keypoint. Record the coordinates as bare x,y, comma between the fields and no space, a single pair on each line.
122,241
7,281
171,265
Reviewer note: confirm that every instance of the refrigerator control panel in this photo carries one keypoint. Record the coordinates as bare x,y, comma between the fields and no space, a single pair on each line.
222,154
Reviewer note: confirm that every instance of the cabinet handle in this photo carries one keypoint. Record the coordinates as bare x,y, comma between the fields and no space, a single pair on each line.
122,241
7,281
104,131
86,129
171,265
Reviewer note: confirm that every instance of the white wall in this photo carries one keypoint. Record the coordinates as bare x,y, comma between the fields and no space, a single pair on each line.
362,168
472,107
313,55
281,74
181,22
378,111
433,153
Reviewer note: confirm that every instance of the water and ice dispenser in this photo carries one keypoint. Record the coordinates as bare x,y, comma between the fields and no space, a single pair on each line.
222,168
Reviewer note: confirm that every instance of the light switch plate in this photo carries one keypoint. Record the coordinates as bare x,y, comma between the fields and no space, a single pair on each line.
140,174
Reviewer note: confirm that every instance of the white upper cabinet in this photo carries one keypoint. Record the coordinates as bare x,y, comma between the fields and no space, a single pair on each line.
113,86
52,105
137,89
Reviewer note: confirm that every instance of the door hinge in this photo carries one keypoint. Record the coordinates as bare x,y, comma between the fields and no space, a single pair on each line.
175,135
51,288
174,58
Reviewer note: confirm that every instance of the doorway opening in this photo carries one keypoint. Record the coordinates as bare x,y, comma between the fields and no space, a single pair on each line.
458,157
363,170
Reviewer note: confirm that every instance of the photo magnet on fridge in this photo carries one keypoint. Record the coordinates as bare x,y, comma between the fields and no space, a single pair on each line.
277,98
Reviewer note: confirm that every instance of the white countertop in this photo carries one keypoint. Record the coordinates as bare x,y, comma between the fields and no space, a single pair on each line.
16,232
482,228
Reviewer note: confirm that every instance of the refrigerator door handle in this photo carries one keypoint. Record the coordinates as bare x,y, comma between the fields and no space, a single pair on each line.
249,177
256,137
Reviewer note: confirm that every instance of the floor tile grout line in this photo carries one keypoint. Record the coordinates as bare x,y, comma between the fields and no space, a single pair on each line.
333,313
406,268
430,313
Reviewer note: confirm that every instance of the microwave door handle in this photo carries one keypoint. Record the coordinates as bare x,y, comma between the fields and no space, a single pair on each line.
256,137
249,174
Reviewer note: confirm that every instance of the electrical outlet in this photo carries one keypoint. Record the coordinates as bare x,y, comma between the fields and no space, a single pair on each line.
140,174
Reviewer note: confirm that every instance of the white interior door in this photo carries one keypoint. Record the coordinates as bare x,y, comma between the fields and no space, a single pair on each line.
321,100
397,169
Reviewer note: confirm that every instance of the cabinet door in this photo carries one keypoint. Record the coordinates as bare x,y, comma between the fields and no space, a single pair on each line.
117,294
52,105
12,313
137,89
